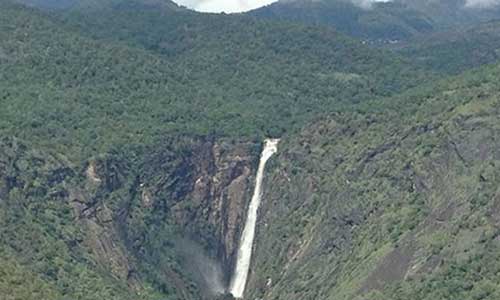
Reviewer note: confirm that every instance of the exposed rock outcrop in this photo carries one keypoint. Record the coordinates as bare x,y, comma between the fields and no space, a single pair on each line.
102,237
223,189
211,201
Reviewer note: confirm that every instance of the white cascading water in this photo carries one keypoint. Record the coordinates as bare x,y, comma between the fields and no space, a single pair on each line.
239,280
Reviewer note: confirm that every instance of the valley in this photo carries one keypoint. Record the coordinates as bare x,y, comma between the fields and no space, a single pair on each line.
151,152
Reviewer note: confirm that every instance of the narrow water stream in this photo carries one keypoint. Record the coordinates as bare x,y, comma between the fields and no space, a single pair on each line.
239,279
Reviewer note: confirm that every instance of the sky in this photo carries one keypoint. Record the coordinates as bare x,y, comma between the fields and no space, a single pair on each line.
481,3
228,6
234,6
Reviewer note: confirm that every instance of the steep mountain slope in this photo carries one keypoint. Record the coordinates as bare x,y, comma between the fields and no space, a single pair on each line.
397,201
158,226
46,240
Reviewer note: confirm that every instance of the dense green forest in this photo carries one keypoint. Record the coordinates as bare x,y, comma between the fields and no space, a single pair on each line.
208,76
130,132
440,36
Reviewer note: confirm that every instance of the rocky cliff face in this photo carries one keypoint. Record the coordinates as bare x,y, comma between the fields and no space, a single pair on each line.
224,179
202,191
217,178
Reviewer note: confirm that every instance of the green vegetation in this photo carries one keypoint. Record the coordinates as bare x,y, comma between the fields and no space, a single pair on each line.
457,50
46,254
398,200
227,79
111,123
18,283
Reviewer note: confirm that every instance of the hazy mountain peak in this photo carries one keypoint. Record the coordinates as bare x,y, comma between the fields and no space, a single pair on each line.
65,4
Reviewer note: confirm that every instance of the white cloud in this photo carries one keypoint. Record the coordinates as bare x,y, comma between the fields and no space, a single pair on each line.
233,6
481,3
367,3
228,6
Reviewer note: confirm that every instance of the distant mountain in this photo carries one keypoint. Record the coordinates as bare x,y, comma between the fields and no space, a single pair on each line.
454,51
50,4
383,21
77,4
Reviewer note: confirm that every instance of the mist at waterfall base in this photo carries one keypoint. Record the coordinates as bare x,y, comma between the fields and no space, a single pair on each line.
205,271
244,256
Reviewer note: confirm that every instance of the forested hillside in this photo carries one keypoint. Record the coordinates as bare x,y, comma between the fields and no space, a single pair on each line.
441,36
397,201
226,76
130,133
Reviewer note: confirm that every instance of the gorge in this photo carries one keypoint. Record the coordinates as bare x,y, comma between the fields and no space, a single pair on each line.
134,165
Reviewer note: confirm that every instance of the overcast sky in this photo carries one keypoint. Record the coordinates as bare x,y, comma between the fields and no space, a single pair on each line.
231,6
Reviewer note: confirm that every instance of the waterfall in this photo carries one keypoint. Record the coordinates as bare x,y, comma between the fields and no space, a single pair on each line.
239,279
